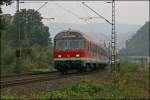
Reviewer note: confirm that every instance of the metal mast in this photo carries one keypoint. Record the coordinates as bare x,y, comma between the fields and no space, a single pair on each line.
18,51
113,39
18,46
113,34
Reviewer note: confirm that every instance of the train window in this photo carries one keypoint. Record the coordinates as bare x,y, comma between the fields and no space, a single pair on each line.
94,50
76,44
54,44
85,45
88,46
69,44
61,45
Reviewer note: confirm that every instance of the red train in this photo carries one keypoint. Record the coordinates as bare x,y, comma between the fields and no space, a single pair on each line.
75,50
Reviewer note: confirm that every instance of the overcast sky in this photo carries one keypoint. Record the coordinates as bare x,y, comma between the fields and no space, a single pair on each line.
127,12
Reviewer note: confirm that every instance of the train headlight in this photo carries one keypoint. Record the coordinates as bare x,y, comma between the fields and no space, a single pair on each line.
59,56
77,55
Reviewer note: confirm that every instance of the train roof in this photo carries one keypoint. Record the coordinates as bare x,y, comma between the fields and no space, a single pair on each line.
74,34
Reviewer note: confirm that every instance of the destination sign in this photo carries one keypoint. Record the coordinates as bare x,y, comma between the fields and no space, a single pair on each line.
69,36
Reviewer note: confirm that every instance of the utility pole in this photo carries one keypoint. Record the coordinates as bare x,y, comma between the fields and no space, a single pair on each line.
18,25
113,33
113,39
109,52
18,48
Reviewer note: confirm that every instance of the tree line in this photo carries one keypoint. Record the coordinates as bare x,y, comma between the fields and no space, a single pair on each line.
35,42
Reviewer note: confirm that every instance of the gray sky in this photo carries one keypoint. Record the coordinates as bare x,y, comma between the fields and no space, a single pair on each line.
127,12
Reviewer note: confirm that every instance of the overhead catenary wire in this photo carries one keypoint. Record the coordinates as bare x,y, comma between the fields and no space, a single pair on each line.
65,9
35,2
69,11
60,6
86,20
96,13
54,25
42,6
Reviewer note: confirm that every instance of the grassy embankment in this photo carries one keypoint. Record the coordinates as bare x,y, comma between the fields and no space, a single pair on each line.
130,82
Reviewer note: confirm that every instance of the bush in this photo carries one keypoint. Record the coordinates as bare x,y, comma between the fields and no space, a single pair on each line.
130,68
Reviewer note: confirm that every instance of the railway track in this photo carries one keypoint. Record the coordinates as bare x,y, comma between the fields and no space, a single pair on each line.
14,80
11,83
36,78
25,74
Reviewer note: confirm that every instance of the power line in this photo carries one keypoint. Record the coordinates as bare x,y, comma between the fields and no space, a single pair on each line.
82,18
67,10
42,6
96,13
113,34
36,2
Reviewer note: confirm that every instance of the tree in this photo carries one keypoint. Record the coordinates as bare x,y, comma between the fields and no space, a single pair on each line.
2,2
35,42
34,38
7,53
32,30
2,23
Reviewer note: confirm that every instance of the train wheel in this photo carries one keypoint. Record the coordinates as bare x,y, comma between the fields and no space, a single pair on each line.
93,67
64,72
89,67
82,69
102,66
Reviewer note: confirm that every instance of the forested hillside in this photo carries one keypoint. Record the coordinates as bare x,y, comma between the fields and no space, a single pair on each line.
138,45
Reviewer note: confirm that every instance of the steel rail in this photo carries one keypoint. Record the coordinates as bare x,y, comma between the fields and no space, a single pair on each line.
25,74
10,83
17,82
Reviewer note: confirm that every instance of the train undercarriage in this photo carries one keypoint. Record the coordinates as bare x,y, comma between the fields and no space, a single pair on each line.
82,66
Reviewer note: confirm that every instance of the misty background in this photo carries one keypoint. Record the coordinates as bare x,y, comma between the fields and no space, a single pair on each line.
130,16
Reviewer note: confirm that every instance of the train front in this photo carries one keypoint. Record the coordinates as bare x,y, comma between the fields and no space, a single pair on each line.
68,51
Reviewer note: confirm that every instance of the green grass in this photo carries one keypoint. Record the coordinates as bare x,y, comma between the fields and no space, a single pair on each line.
130,82
40,70
86,89
44,69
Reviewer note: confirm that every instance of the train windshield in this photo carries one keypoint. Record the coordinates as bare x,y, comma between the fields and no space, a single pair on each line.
69,44
61,45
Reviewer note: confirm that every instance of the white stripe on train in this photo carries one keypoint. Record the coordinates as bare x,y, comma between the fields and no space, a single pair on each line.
102,60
